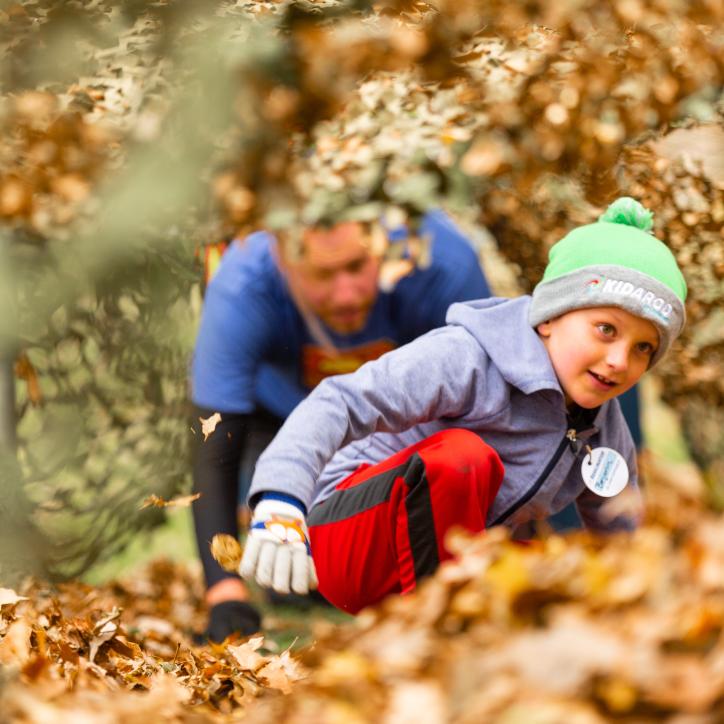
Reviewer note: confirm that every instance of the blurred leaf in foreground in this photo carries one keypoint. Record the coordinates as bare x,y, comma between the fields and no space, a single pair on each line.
226,551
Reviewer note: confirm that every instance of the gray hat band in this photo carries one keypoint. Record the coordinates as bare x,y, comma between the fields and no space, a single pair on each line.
612,286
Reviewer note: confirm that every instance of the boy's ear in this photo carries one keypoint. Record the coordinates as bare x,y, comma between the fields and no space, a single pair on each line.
544,329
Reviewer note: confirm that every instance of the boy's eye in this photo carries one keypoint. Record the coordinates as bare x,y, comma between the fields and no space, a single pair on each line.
645,348
606,329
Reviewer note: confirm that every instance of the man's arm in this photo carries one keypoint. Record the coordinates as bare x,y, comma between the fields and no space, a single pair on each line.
465,278
234,336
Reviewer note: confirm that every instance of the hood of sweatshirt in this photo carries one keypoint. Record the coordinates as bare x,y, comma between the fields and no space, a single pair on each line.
500,326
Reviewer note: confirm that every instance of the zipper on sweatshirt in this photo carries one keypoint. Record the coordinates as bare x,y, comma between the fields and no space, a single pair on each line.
568,439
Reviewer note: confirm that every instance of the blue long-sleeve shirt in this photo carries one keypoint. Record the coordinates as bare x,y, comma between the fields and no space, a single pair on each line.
253,347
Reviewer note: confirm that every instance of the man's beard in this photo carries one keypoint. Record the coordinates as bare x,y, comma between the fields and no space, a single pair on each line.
347,321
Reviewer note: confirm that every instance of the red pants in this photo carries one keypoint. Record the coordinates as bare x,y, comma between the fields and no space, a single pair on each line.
383,528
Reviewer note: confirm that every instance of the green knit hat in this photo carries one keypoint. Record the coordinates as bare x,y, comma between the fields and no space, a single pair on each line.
615,262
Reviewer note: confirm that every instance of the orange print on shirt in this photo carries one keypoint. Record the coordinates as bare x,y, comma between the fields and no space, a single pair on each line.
317,363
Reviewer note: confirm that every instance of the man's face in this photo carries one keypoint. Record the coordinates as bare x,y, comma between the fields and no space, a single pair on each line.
598,353
336,276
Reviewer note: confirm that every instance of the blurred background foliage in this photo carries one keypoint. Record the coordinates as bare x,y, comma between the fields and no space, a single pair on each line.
135,133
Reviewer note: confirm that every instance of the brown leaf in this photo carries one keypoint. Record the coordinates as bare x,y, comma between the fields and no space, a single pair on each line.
281,672
156,501
24,370
247,655
16,197
226,551
104,630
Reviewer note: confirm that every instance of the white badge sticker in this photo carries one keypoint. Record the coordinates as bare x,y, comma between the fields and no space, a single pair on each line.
604,472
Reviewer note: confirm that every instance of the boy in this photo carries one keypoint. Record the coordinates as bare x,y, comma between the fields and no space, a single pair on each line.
505,415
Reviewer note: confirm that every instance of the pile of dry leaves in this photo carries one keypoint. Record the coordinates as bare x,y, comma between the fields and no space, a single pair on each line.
563,629
124,652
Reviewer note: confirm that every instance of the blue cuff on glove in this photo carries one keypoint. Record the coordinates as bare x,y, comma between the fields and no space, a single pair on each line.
284,498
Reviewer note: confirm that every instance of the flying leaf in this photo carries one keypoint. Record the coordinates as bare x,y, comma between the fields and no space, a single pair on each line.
226,551
208,424
156,501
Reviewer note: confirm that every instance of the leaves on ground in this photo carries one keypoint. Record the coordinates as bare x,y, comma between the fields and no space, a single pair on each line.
562,629
123,652
9,597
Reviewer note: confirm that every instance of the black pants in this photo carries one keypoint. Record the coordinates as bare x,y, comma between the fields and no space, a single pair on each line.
222,468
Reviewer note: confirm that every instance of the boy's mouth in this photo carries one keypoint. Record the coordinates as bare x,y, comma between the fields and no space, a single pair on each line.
604,381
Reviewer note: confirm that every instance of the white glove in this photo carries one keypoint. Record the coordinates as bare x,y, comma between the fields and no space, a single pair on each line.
277,551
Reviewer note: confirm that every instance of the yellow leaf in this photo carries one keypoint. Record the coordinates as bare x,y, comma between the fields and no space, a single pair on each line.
509,574
226,552
281,671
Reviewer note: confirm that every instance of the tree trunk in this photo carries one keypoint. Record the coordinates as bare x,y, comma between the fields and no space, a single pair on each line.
7,405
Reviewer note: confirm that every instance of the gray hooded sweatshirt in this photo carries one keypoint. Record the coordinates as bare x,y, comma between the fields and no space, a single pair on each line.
486,371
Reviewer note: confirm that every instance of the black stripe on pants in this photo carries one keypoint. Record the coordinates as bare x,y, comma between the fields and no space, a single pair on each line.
348,502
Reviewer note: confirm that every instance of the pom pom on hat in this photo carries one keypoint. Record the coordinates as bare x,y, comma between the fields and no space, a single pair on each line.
629,212
616,261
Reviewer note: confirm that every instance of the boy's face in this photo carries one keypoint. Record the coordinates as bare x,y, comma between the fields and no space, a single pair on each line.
598,353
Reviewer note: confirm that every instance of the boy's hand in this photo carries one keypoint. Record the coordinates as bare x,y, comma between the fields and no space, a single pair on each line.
277,552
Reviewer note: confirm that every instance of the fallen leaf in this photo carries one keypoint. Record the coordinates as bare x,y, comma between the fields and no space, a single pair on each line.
104,630
281,671
15,646
247,655
9,597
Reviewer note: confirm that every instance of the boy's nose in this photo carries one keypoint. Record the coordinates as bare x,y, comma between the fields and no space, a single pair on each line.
617,357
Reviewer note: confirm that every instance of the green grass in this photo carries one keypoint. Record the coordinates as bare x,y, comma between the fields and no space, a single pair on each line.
174,539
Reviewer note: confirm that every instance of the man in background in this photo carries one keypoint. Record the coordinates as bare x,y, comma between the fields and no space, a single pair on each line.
274,324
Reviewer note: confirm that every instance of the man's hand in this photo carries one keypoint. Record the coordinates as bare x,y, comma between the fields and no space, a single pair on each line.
277,549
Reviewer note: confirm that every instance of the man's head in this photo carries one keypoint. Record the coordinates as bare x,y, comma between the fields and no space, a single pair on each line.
614,264
335,275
